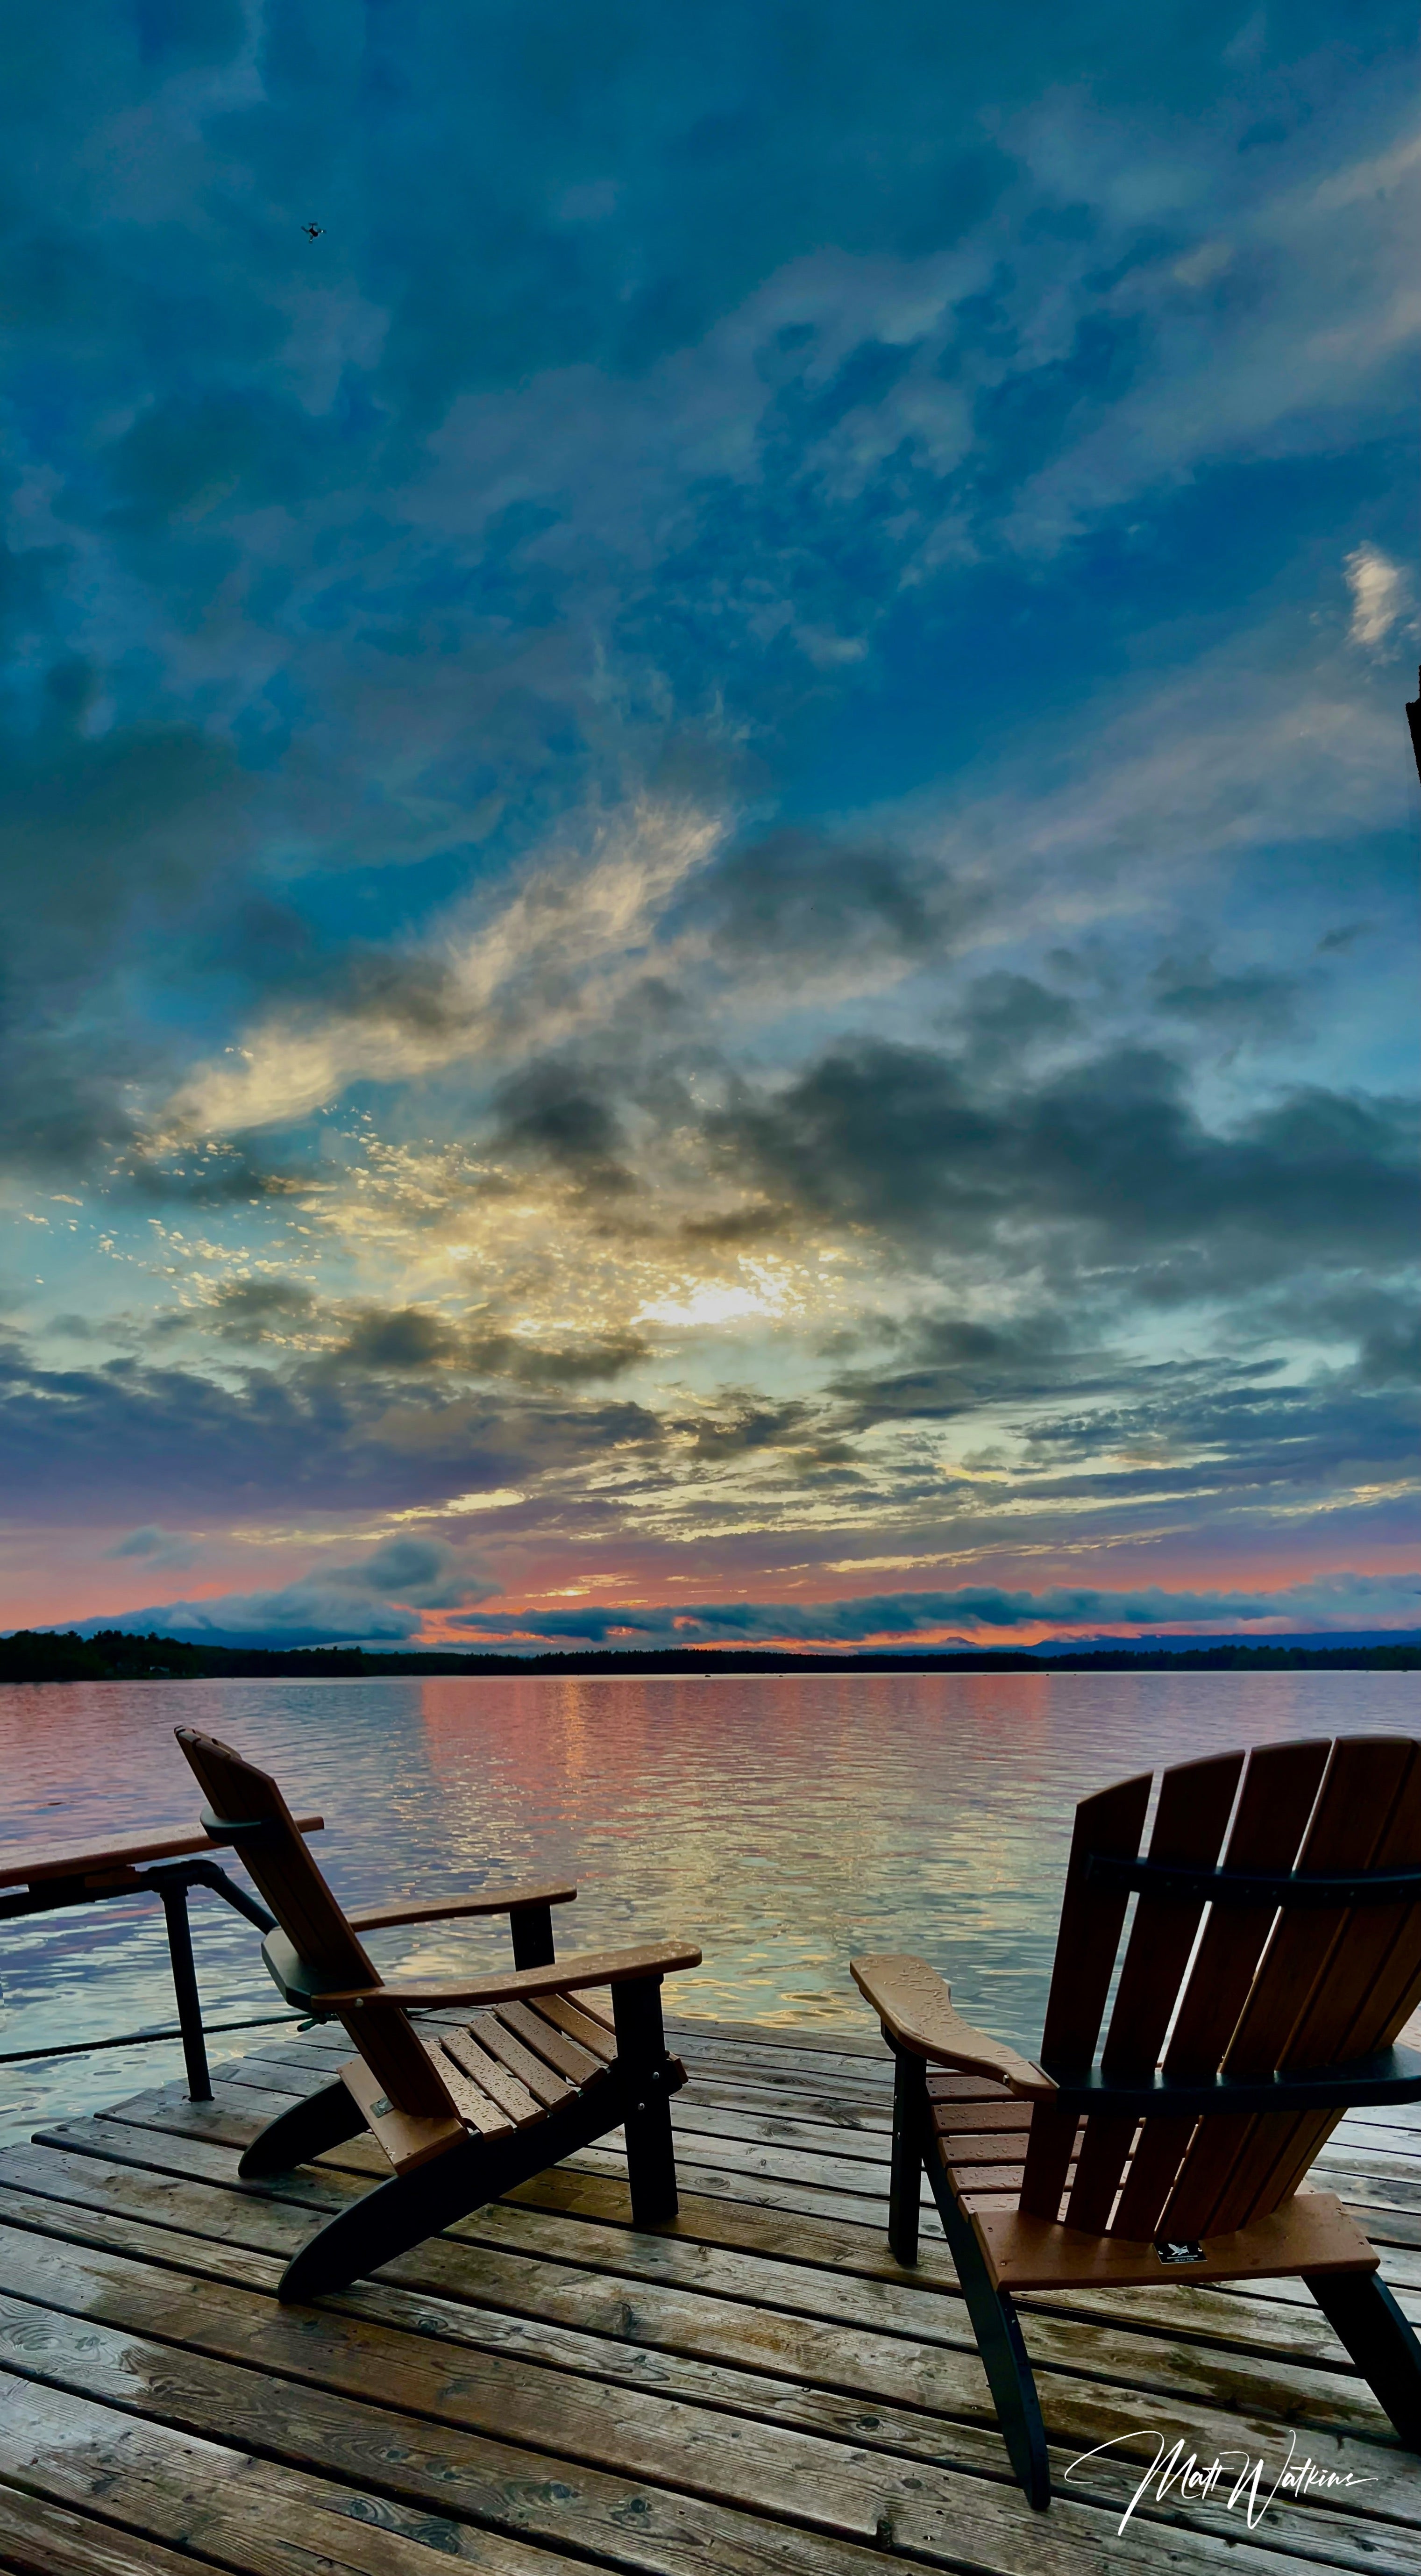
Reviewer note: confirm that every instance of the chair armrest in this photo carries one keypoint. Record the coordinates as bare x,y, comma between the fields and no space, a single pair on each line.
916,2010
494,1900
561,1976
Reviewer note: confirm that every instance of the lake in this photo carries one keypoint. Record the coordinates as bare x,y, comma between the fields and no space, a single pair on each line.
783,1821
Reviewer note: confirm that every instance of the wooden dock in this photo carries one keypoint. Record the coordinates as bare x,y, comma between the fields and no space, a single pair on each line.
756,2390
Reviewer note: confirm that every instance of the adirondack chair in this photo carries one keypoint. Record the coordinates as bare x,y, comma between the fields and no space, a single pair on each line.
1180,2155
462,2110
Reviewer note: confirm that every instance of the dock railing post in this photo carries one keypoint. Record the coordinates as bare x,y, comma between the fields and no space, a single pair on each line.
174,1895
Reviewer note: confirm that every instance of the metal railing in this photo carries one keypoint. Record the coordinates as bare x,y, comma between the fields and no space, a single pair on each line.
170,1882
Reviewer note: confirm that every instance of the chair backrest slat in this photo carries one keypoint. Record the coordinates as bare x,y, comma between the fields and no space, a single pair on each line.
1190,1822
1092,1917
283,1865
1279,1789
1349,2004
1353,1807
1278,1796
285,1871
1261,1988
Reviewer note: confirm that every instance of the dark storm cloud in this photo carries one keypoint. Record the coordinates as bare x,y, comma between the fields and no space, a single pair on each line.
1003,1017
1253,1003
100,1445
1109,1154
741,1425
407,1338
249,1310
963,1612
800,896
103,842
552,1114
357,1342
953,1366
411,1338
1386,1328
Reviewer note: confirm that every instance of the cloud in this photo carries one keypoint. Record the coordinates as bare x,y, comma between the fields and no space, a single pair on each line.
156,1546
92,1447
552,1114
1378,589
800,896
414,1338
382,1601
1107,1158
379,1599
1253,1002
723,722
1342,1600
253,1310
555,954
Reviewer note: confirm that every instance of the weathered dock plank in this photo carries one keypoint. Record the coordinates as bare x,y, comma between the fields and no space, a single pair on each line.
757,2388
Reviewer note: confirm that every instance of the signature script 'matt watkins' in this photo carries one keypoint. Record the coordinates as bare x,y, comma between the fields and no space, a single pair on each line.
1235,2477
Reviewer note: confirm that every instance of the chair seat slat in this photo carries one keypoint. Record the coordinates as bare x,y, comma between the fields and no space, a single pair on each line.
542,2083
576,2025
549,2043
476,2108
512,2098
596,2003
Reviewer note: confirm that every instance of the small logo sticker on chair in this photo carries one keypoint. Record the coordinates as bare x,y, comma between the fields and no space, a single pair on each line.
1180,2249
381,2107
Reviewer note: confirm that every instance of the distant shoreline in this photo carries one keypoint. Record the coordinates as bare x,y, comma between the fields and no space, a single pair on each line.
43,1656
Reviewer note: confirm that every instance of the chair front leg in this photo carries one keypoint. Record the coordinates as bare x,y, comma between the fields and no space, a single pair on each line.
1005,2358
910,2135
647,2074
1381,2340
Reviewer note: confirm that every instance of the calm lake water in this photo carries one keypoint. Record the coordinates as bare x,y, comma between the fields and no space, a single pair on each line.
782,1821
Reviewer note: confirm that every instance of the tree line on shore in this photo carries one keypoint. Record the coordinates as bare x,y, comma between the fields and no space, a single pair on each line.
46,1655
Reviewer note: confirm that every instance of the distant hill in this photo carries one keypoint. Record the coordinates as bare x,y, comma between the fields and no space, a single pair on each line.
47,1655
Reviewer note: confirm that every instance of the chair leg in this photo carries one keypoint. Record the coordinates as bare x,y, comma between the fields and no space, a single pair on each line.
910,2118
999,2341
1366,2318
418,2203
324,2119
641,2056
388,2221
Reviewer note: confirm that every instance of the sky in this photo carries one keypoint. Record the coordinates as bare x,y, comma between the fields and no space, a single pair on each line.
707,843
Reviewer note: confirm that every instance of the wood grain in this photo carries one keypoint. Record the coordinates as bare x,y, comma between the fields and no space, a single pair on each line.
754,2387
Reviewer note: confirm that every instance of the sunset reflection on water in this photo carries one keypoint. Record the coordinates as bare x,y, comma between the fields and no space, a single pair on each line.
782,1821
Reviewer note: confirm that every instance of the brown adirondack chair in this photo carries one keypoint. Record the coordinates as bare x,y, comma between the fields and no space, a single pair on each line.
1181,2154
465,2110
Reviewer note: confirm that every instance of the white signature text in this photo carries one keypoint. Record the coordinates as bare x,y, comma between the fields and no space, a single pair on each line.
1233,2477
